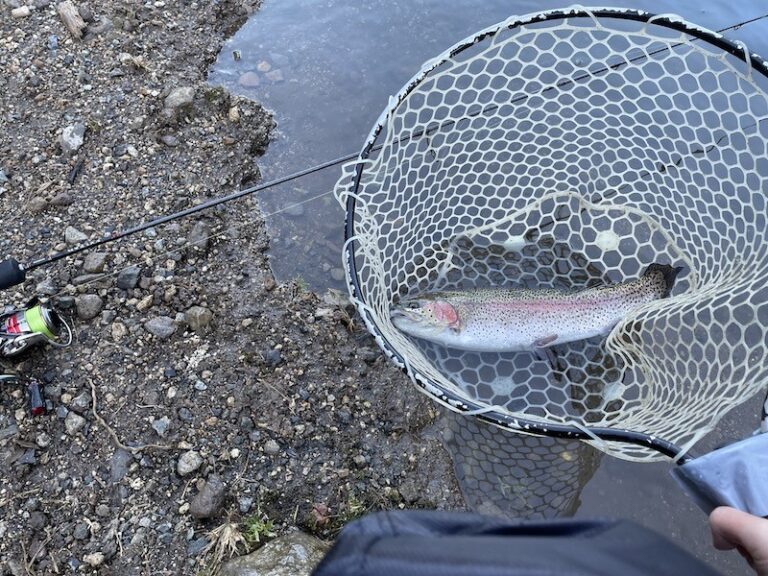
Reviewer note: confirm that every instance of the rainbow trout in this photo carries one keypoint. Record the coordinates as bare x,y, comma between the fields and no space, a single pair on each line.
504,320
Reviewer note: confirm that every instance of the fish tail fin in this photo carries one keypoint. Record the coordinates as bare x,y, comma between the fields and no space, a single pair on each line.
668,275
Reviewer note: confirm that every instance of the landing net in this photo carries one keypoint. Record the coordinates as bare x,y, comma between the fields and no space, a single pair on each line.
562,150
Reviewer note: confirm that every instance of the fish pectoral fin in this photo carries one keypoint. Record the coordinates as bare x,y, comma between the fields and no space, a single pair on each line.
545,341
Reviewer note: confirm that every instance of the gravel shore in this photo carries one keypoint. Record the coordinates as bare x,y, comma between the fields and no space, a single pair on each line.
198,392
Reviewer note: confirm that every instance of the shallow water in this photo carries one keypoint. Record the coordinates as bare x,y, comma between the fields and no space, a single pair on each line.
326,69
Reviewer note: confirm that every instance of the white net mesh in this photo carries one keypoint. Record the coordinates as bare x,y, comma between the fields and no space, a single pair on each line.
564,153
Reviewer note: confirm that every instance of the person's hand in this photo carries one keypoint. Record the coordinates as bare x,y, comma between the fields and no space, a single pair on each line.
733,528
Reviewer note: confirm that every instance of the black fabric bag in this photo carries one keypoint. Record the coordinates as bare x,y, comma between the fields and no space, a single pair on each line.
423,543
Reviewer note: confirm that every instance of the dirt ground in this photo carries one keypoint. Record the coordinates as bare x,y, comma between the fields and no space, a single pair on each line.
198,392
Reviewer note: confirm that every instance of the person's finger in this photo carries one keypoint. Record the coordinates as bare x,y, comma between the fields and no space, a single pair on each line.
733,528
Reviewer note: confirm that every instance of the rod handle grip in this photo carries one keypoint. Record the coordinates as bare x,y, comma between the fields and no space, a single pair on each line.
11,273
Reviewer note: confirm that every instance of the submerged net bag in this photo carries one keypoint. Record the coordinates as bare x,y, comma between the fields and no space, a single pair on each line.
567,149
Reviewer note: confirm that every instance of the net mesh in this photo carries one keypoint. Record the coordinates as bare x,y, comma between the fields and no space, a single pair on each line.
566,153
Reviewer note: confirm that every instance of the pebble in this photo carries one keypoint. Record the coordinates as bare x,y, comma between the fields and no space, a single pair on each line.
37,204
245,504
234,114
47,287
43,440
94,559
179,97
198,236
273,357
274,75
118,466
338,274
188,463
145,303
201,386
210,499
21,12
73,236
196,546
103,510
119,331
169,140
88,306
95,262
198,318
81,531
161,425
161,327
37,520
271,447
128,278
73,423
82,401
62,199
72,138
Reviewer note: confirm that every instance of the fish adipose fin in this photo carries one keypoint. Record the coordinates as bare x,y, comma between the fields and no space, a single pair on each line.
669,273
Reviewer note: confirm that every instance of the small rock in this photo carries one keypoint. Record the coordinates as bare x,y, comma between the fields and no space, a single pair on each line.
274,75
273,357
198,318
199,236
62,199
249,80
94,559
37,520
85,12
180,97
161,425
188,463
128,278
81,531
103,510
88,306
295,554
119,331
95,262
234,114
73,423
169,140
201,386
47,287
338,274
264,66
21,12
245,504
408,491
145,303
72,138
271,447
118,466
197,545
43,440
82,401
210,499
162,327
37,204
73,236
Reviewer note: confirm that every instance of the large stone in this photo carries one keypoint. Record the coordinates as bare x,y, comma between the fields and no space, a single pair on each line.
95,262
198,318
72,138
180,97
162,327
88,306
128,278
208,502
295,554
73,236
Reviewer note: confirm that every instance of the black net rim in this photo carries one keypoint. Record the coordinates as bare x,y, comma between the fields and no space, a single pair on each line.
436,390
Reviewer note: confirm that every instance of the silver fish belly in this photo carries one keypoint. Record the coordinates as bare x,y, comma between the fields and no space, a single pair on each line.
499,320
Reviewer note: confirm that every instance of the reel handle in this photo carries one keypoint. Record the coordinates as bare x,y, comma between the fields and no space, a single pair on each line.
12,273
